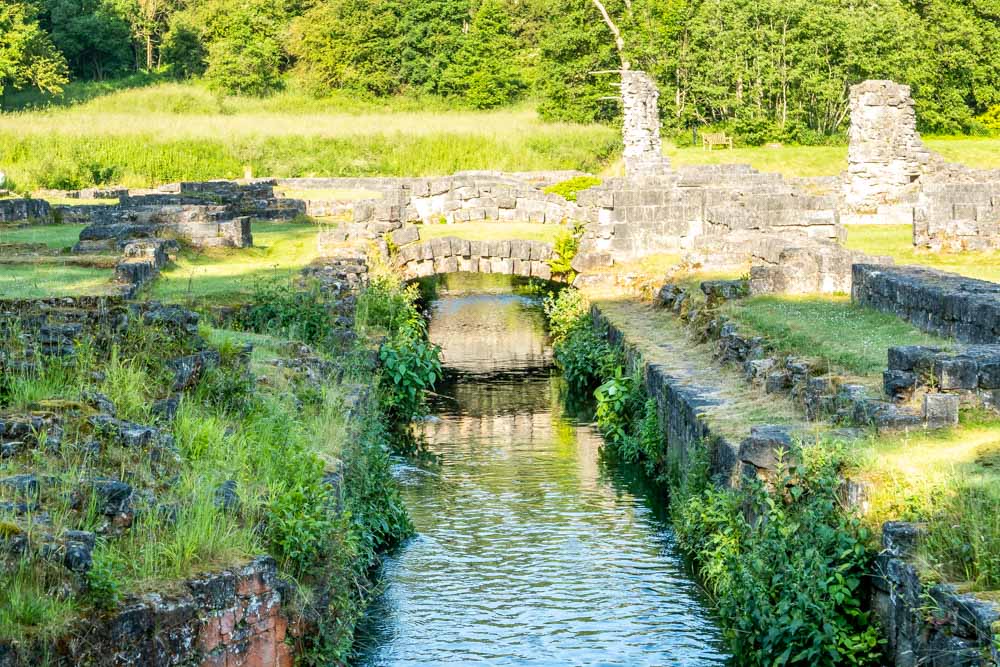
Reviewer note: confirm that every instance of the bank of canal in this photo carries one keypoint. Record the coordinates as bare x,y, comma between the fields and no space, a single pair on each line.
531,549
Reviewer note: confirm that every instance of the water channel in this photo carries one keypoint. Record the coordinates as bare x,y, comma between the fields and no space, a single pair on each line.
531,548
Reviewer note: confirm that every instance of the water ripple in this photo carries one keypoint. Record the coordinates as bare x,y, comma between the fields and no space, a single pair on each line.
530,549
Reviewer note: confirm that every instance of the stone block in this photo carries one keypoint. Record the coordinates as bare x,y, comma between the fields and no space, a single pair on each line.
956,373
898,383
941,410
913,358
405,235
766,445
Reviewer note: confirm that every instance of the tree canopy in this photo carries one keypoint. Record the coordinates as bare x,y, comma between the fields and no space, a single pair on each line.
770,69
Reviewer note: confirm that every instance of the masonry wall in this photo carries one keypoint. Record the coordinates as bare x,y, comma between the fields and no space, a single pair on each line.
959,214
946,304
24,210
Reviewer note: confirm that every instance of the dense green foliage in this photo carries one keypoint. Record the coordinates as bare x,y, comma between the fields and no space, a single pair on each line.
569,188
771,70
786,568
583,356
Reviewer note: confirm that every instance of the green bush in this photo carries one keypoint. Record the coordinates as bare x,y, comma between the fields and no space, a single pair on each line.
568,189
788,580
412,367
279,307
991,119
300,525
240,67
566,245
584,356
619,403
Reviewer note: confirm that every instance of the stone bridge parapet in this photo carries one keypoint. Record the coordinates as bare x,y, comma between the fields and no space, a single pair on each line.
528,259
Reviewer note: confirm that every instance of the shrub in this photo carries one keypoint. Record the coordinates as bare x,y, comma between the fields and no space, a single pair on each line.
299,526
789,580
412,367
619,401
991,119
278,307
565,248
569,188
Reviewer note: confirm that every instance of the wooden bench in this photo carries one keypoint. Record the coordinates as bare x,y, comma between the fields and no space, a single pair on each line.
710,140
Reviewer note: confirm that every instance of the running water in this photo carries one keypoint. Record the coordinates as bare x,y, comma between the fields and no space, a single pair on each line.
531,548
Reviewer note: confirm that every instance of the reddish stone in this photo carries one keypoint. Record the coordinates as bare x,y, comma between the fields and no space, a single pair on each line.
209,637
284,656
280,629
227,622
216,660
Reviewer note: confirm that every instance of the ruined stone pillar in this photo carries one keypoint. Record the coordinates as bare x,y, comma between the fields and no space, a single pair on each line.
641,126
886,154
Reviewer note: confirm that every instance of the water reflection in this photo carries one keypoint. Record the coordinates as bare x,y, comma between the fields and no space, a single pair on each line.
530,550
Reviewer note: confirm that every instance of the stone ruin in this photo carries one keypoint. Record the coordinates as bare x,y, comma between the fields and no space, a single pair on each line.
643,150
885,155
893,175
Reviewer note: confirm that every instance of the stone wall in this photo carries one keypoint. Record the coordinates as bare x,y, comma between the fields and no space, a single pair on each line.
698,205
942,303
928,624
643,151
453,255
231,617
24,210
886,155
806,268
201,225
681,408
956,214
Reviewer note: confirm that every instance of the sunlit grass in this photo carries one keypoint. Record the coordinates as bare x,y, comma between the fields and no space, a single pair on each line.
173,131
280,250
896,241
34,281
980,153
53,236
828,328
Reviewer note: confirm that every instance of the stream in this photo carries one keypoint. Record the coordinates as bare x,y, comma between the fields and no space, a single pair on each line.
531,548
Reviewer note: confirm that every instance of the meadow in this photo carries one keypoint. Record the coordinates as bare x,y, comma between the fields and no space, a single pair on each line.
172,131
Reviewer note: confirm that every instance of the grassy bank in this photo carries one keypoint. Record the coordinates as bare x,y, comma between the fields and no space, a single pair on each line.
260,456
896,241
981,153
828,328
171,131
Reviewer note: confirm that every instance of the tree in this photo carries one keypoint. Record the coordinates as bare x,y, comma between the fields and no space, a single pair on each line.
350,44
93,36
27,55
246,54
484,72
431,33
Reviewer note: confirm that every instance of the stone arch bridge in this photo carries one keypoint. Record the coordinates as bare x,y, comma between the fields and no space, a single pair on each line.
515,257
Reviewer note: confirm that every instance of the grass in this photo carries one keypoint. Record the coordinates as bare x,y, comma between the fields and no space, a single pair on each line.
896,241
53,236
225,274
172,131
35,281
493,231
828,328
951,480
980,153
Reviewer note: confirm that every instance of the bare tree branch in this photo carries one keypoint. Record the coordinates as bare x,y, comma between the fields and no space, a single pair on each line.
619,42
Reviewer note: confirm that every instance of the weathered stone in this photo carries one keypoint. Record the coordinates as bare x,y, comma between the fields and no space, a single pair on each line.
112,496
765,447
956,373
23,485
941,410
227,498
898,383
124,433
720,291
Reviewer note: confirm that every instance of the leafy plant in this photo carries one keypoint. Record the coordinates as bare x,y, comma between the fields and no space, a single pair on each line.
618,402
412,367
566,245
568,189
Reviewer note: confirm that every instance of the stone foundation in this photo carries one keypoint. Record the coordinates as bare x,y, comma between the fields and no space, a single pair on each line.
942,303
959,214
453,255
928,624
25,210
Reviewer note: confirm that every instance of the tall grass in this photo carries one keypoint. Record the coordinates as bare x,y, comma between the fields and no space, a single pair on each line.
171,132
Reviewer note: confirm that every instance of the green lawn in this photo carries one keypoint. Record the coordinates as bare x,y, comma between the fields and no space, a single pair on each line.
897,242
181,131
33,281
829,329
981,153
281,250
493,231
54,236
